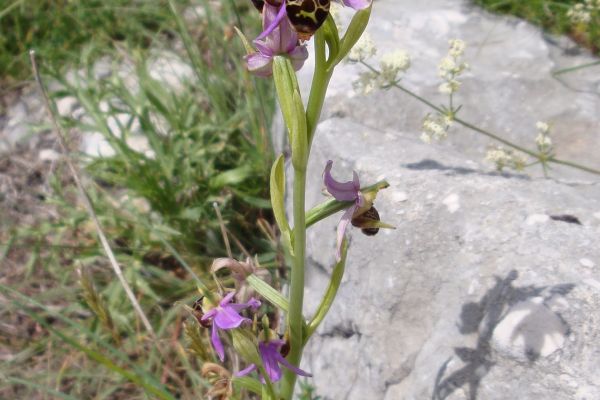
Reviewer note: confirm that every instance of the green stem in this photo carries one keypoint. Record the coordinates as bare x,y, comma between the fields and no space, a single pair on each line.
574,165
295,318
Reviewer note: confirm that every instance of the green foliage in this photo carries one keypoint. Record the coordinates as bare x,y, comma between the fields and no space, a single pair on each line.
551,15
58,29
207,141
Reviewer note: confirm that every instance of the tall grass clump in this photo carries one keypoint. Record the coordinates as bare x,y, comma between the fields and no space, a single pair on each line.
175,156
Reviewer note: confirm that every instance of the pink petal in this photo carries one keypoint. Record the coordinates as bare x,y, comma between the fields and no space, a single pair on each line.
227,299
252,303
357,4
291,367
228,318
259,64
246,370
341,229
342,191
216,342
209,314
270,362
271,19
298,55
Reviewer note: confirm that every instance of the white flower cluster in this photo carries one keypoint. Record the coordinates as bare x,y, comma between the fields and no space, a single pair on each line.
452,66
503,158
543,141
583,12
363,49
391,66
435,127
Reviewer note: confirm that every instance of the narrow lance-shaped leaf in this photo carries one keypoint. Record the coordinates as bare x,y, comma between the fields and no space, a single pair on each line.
250,384
353,33
268,292
277,188
332,37
330,293
299,134
285,85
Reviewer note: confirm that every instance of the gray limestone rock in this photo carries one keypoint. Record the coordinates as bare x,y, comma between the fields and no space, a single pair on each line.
489,288
509,87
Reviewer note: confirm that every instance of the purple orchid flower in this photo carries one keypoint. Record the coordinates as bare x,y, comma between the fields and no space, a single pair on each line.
226,316
270,353
278,38
356,4
343,191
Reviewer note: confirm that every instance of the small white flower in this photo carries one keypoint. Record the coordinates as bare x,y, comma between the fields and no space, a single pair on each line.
542,127
392,64
457,48
366,82
363,49
435,127
503,158
449,87
543,141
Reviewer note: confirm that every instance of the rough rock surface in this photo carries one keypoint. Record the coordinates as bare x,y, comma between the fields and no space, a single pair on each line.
483,291
489,288
508,88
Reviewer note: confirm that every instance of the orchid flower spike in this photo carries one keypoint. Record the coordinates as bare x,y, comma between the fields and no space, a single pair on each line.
343,191
226,316
278,38
270,354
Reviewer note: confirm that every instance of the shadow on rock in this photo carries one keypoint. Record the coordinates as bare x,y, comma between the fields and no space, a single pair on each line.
428,164
515,316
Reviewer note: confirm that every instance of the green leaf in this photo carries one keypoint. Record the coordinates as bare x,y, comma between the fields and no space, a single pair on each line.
330,293
332,37
253,200
277,187
299,134
285,84
192,214
248,383
353,33
268,292
245,42
245,345
232,177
